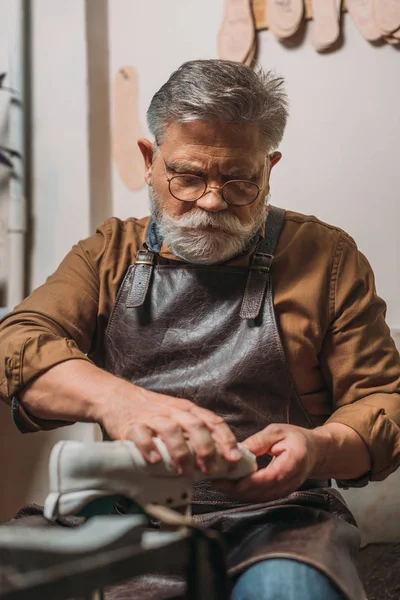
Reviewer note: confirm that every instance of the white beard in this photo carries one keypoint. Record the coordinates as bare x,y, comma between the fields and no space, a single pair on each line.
188,239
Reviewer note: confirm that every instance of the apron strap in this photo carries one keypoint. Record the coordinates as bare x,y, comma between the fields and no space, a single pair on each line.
260,266
142,271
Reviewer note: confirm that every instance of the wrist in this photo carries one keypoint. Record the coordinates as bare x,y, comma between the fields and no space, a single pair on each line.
112,393
335,443
322,444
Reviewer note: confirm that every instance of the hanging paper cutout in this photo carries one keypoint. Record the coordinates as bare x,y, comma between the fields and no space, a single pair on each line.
375,19
387,14
237,36
284,18
250,60
362,14
326,29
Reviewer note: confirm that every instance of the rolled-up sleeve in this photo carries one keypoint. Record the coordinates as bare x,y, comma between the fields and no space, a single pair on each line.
361,362
56,323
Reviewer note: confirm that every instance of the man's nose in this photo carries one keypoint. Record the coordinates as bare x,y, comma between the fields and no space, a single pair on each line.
212,200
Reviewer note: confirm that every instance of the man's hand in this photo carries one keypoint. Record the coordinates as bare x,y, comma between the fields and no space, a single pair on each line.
139,415
299,454
294,451
77,390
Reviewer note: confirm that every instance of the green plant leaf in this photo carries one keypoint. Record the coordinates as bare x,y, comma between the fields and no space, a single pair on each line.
4,160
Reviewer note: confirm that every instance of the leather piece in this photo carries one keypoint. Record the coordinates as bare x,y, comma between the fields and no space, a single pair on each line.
362,14
256,287
326,19
140,279
273,228
284,19
258,278
237,33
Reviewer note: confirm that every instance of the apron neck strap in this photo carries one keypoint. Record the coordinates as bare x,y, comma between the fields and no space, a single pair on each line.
261,263
144,263
143,269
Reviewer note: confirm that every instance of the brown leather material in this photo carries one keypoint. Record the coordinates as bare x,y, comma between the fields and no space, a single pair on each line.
188,340
260,266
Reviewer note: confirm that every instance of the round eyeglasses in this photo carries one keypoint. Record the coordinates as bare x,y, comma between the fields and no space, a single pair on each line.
190,188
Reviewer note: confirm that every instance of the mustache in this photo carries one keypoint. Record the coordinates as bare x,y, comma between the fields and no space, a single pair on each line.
198,218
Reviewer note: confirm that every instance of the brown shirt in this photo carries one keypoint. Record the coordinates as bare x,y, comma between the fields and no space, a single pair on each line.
338,346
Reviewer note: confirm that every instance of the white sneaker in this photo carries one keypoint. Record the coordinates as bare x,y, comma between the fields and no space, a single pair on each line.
82,472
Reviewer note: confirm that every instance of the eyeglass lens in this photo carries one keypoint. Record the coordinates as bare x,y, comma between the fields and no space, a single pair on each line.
189,188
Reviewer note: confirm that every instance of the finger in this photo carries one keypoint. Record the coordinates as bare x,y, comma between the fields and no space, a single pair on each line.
142,436
172,435
221,433
201,441
275,475
276,480
262,441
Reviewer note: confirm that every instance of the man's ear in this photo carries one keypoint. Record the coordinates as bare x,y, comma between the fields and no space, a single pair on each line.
146,148
275,157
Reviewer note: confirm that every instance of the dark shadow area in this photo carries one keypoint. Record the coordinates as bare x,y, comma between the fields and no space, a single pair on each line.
20,457
379,568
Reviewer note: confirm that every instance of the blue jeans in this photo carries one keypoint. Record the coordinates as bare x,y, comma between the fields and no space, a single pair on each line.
284,579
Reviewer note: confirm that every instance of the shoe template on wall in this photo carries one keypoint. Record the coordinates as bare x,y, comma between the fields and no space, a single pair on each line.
284,19
236,37
387,15
326,23
127,129
362,14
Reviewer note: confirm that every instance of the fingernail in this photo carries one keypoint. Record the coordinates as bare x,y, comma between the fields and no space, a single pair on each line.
235,454
203,467
154,456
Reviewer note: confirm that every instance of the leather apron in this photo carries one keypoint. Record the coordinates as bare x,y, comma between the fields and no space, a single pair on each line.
209,334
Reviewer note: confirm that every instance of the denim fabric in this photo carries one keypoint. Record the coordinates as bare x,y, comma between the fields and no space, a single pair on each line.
153,237
284,579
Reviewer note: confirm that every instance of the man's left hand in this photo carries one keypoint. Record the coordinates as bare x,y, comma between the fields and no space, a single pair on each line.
295,453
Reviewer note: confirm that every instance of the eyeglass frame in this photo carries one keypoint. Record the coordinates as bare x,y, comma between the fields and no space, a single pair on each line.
219,188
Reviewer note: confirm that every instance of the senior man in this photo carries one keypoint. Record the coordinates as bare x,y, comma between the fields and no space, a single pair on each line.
217,320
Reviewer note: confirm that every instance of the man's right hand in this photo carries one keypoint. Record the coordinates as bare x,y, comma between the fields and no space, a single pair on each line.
77,390
139,415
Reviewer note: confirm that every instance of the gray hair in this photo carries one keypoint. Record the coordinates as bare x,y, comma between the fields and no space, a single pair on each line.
221,91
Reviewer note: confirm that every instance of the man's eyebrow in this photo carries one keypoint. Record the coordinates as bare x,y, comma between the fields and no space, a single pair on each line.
239,172
190,168
182,166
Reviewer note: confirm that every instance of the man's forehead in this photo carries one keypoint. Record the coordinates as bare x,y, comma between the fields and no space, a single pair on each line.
199,142
212,135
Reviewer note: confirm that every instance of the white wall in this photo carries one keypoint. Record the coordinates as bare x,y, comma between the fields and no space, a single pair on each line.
340,151
60,125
